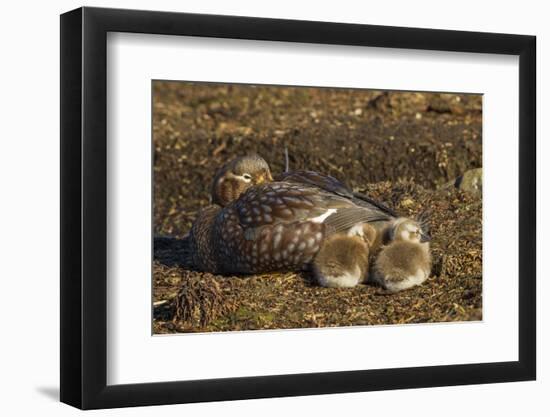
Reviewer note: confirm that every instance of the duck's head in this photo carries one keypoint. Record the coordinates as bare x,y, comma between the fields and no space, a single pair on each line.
408,230
235,177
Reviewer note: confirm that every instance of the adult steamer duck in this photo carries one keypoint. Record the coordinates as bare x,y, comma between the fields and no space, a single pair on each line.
258,224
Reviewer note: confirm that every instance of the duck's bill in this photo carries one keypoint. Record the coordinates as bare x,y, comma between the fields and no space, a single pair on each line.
264,178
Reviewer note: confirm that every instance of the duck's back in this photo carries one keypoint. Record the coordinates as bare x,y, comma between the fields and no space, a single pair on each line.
269,229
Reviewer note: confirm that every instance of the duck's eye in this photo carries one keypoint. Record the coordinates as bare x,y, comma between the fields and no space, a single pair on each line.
247,177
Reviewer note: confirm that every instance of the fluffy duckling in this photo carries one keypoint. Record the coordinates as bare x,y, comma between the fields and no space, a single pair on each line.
235,177
343,260
406,261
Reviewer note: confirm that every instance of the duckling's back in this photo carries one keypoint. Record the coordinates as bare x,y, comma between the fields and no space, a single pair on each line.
402,265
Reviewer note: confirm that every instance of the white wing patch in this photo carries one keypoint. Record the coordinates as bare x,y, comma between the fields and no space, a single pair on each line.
323,217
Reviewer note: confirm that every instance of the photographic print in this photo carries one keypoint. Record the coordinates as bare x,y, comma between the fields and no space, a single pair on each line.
286,207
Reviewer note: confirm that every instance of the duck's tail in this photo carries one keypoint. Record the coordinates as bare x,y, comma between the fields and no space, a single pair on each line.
361,199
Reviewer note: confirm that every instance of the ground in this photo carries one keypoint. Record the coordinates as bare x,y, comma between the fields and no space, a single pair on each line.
409,150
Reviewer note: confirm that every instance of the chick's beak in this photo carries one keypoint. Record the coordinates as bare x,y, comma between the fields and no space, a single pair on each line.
425,238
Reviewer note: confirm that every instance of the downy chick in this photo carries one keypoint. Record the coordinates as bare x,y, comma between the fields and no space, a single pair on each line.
343,260
406,261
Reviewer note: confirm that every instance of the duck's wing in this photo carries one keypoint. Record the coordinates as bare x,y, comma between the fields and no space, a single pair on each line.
344,219
284,203
365,201
333,185
281,202
316,179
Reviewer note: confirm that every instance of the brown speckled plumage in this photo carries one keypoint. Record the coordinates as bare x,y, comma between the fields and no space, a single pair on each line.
277,225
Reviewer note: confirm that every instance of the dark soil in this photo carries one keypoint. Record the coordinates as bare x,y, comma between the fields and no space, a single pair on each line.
405,149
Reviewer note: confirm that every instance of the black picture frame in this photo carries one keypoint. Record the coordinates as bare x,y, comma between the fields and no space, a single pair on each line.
84,207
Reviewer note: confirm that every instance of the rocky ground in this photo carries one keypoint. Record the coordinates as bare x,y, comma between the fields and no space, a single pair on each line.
411,151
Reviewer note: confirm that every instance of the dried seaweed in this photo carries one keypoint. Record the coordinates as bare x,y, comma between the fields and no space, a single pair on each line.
199,301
